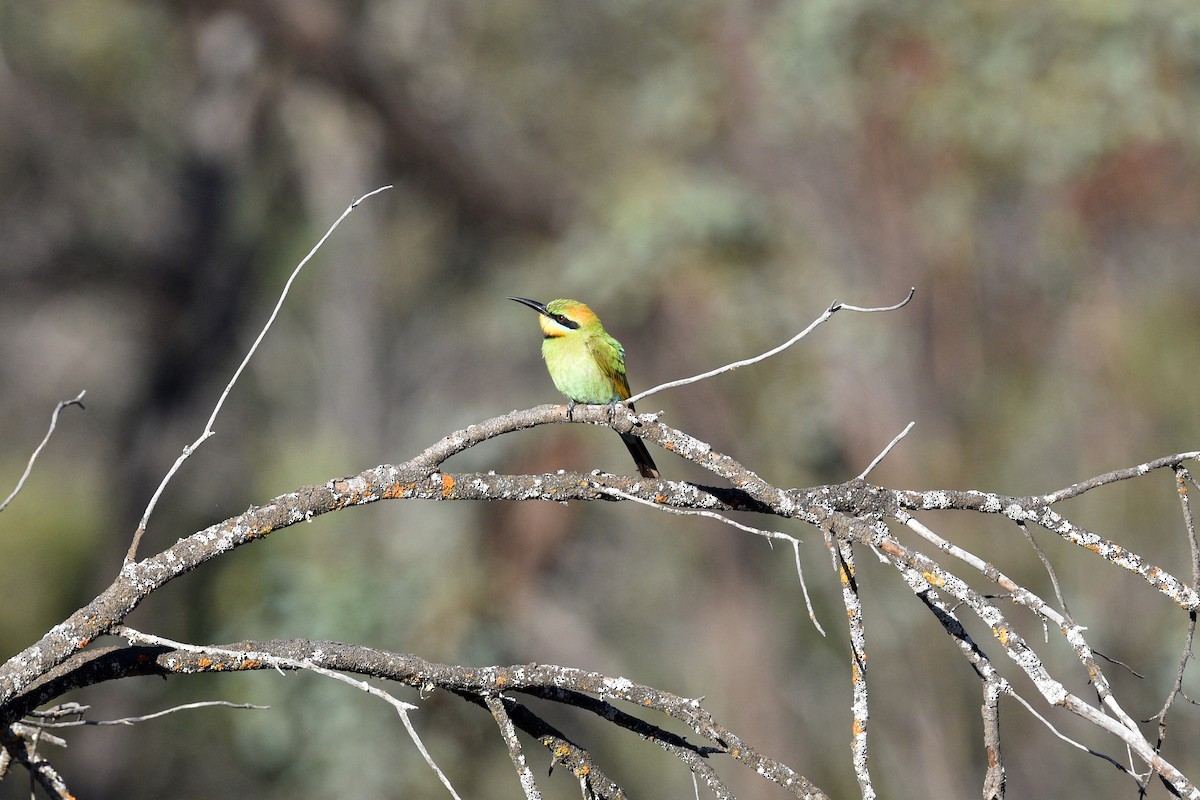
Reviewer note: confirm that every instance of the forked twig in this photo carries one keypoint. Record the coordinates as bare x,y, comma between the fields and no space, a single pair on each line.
1182,478
829,312
282,663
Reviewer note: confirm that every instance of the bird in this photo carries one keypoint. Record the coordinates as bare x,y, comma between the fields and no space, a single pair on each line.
586,364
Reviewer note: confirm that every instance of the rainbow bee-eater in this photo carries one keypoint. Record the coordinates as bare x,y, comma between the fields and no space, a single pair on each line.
586,364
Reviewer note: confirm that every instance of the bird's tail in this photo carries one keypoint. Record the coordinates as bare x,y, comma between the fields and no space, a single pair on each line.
641,456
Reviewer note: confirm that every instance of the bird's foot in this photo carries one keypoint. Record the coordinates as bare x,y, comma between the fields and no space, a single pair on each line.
570,409
612,410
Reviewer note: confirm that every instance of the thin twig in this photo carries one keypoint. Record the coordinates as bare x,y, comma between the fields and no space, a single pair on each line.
134,720
1182,478
1041,554
829,312
1050,726
1119,475
836,306
281,663
770,536
77,400
208,429
887,450
1118,724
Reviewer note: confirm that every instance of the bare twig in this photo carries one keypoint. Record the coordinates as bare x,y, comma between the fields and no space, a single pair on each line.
829,312
280,662
77,400
208,429
134,720
1041,554
770,536
837,306
1022,596
694,512
886,450
23,750
1050,726
1119,475
1118,724
1182,478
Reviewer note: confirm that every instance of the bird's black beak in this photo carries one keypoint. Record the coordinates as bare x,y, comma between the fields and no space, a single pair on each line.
534,304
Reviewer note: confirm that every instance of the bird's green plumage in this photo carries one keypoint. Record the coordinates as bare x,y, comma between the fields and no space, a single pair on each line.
585,363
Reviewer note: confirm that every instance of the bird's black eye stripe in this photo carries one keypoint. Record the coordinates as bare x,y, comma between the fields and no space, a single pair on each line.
566,322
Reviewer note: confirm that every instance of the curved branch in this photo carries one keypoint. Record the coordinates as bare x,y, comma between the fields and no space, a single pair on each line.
851,512
587,690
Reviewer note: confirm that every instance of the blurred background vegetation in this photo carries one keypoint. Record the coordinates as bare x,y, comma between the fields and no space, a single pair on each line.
708,176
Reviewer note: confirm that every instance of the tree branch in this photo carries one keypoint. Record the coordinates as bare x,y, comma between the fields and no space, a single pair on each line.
848,514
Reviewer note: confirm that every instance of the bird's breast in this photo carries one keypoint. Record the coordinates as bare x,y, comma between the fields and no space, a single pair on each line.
576,373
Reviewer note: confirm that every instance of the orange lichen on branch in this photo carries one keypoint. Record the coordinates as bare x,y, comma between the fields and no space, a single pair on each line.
399,490
447,485
343,501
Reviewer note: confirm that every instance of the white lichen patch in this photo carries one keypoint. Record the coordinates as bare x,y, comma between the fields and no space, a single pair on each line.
934,500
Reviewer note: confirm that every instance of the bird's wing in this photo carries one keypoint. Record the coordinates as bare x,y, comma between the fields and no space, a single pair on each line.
610,355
